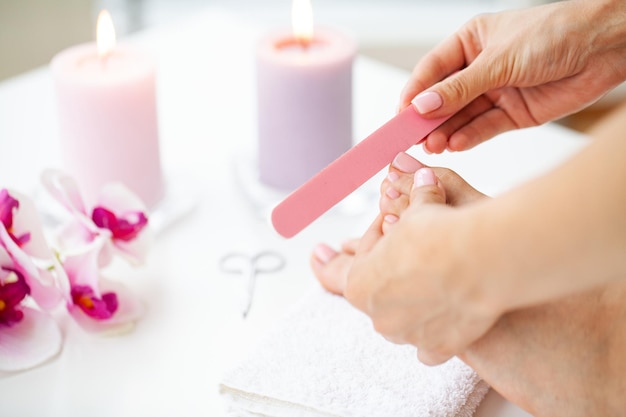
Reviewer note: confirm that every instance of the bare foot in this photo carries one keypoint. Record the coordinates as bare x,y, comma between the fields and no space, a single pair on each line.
567,358
394,199
331,267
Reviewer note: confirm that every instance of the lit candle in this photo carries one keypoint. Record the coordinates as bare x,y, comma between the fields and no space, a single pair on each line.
107,111
304,91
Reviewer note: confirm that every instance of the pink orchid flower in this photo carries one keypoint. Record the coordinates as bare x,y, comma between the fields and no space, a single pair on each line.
28,336
118,214
94,302
22,237
116,225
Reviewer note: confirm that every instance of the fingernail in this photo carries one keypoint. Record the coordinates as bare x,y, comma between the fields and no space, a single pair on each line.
392,193
390,218
392,177
424,176
324,253
427,102
406,163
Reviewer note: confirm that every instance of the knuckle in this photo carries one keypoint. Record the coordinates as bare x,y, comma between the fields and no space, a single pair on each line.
457,89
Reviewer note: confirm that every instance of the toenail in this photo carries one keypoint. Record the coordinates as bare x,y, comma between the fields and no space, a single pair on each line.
392,193
324,253
391,218
406,163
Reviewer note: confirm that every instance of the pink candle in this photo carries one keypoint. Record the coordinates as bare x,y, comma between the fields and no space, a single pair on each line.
304,87
107,116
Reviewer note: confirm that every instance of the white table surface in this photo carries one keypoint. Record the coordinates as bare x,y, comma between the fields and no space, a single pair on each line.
193,331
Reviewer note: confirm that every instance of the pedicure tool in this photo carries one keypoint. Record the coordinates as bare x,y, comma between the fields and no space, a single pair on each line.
351,170
250,266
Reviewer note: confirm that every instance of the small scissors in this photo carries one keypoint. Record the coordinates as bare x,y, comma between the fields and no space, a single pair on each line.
261,263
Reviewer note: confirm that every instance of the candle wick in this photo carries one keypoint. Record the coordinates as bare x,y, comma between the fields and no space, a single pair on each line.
304,43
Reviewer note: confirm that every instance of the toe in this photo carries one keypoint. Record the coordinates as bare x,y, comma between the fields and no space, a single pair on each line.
331,267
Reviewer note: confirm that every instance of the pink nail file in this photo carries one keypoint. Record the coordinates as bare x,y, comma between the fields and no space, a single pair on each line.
348,172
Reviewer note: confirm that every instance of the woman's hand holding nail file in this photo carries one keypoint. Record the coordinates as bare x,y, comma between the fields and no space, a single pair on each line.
350,171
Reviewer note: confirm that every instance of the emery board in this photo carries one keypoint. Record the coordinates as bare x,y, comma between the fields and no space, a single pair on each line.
351,170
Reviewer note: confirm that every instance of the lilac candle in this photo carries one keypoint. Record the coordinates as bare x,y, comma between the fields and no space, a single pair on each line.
304,92
106,98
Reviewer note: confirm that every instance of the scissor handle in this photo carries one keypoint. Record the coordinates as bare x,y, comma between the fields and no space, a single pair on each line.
268,261
262,262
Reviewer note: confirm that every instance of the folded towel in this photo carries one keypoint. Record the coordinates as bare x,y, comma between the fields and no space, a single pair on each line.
325,359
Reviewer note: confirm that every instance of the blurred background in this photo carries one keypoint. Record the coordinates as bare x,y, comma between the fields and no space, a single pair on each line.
32,31
397,32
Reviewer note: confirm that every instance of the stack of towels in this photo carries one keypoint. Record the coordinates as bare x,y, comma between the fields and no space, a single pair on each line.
325,359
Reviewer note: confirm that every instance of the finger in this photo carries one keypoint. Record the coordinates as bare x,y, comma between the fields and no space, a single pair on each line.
426,188
450,95
458,191
443,60
484,127
437,141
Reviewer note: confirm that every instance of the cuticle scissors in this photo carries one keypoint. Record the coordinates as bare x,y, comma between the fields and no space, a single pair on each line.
261,263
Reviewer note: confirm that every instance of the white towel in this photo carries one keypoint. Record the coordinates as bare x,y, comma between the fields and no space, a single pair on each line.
325,359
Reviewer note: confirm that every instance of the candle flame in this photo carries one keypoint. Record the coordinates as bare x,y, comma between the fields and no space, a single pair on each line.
105,34
302,20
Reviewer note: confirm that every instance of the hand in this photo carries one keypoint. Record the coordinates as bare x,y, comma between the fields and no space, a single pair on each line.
514,355
518,69
331,267
393,279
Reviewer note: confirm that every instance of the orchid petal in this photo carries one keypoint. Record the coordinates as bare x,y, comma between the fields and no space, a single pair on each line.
129,310
34,257
27,220
124,226
73,236
32,341
82,267
8,205
18,256
37,247
5,258
121,201
13,290
135,252
46,294
64,189
99,308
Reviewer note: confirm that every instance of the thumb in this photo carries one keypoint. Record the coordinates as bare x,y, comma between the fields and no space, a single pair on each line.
455,92
426,188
